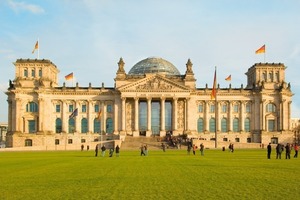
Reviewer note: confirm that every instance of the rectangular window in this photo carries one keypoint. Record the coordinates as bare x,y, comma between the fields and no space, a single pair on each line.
248,108
57,108
96,108
71,108
25,72
83,108
271,125
236,108
200,108
40,73
224,108
33,73
212,108
31,126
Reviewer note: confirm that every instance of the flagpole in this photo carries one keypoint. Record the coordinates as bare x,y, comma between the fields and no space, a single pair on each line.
216,108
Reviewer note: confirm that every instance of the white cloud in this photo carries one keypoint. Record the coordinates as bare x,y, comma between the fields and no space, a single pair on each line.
22,6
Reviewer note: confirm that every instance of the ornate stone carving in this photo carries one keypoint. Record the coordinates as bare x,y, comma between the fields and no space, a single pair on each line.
155,84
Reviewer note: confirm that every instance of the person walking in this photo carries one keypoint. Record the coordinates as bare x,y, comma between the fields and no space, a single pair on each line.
103,149
194,149
142,150
189,149
117,150
163,147
96,150
269,150
202,149
111,152
287,151
296,147
278,151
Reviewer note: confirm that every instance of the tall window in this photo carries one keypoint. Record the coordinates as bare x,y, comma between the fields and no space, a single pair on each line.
71,108
247,125
236,108
57,108
109,108
96,108
31,126
32,107
58,125
33,73
168,116
71,125
224,108
84,125
236,125
224,125
248,108
40,73
212,108
212,125
109,125
25,72
271,125
83,108
200,125
97,126
200,108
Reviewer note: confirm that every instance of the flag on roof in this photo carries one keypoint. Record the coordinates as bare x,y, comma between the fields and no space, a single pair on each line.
36,46
214,90
228,78
262,49
69,76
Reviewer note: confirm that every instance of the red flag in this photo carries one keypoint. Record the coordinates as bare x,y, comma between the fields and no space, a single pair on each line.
214,90
261,49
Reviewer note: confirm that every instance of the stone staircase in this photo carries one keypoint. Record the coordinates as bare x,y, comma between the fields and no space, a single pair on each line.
134,143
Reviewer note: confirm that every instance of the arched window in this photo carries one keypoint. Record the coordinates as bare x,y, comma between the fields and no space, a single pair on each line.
224,125
84,125
33,73
247,125
71,125
58,125
28,143
212,125
25,72
200,125
248,108
40,73
109,125
236,125
270,107
97,125
31,107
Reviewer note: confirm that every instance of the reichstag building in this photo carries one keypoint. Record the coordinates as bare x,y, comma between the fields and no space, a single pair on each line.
151,99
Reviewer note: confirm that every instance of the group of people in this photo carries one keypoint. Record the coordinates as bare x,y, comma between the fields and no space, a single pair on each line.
103,150
144,150
194,148
281,148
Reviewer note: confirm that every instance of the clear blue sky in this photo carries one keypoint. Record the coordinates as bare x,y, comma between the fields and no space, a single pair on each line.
88,37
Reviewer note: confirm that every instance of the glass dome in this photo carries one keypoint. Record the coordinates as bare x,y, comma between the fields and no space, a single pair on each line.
153,65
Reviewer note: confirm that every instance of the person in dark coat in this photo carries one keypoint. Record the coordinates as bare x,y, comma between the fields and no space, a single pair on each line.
269,149
278,151
103,149
117,150
288,151
96,151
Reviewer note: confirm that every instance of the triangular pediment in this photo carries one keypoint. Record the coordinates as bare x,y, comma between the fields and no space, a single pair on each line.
154,83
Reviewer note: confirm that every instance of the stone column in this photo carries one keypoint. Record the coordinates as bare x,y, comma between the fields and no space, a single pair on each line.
77,118
186,120
262,114
65,118
136,117
174,120
123,113
104,114
116,119
230,117
90,117
206,120
242,119
149,132
10,114
162,117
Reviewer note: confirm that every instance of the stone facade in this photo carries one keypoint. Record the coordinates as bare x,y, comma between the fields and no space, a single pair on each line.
42,113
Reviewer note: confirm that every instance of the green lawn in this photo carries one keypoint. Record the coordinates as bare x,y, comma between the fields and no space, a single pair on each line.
244,174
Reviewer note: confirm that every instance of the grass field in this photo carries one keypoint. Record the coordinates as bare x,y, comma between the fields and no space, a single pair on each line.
244,174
